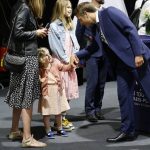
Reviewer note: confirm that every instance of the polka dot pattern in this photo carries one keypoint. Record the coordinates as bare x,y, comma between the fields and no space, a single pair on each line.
24,87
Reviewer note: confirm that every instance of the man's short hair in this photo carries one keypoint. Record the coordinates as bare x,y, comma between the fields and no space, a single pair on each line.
84,7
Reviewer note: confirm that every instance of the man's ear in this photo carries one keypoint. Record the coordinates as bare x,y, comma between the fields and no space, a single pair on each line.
85,14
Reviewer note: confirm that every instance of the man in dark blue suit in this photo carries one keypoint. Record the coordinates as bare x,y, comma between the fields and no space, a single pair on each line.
129,56
95,63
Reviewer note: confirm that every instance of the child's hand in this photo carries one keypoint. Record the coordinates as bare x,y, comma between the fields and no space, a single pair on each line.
74,60
71,68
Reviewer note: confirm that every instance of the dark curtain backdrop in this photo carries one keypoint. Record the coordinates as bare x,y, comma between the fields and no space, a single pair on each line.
5,10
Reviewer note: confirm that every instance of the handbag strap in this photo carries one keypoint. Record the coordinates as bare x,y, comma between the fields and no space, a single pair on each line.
8,44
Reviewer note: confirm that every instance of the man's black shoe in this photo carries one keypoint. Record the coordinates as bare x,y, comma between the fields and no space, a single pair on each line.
99,116
91,118
121,138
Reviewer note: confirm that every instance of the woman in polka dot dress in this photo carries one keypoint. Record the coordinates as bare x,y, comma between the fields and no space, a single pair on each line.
24,87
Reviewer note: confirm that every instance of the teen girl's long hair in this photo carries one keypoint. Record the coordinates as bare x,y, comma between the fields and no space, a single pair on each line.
59,13
37,7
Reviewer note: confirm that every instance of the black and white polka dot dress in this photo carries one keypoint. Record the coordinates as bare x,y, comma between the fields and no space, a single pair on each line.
24,87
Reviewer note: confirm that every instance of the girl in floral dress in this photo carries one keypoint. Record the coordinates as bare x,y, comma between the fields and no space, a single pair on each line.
63,44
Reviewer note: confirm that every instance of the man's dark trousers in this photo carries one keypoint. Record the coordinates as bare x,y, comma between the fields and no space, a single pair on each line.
96,71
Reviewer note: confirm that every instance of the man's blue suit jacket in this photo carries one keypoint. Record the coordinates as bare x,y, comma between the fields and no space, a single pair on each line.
121,36
123,39
89,32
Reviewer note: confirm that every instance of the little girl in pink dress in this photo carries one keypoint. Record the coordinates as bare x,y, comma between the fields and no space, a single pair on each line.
53,99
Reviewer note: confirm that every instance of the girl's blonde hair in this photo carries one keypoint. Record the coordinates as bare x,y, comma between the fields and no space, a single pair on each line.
41,55
59,13
37,7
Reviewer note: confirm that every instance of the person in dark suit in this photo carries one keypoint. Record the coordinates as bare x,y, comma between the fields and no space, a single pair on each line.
94,63
129,56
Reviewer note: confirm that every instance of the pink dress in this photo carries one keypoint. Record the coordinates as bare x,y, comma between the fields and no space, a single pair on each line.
70,78
53,100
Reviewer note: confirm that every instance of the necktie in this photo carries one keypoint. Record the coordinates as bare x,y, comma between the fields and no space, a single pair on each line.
100,33
98,28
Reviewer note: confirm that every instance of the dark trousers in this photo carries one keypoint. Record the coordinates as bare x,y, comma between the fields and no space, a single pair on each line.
126,78
96,71
125,89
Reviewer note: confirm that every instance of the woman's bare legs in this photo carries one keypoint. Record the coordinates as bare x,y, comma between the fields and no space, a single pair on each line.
26,118
28,140
15,119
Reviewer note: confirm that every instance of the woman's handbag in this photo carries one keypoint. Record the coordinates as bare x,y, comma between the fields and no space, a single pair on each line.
13,62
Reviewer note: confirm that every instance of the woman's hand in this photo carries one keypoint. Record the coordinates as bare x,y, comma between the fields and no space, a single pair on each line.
42,32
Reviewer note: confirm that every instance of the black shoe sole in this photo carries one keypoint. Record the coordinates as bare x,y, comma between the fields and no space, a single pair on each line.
122,140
